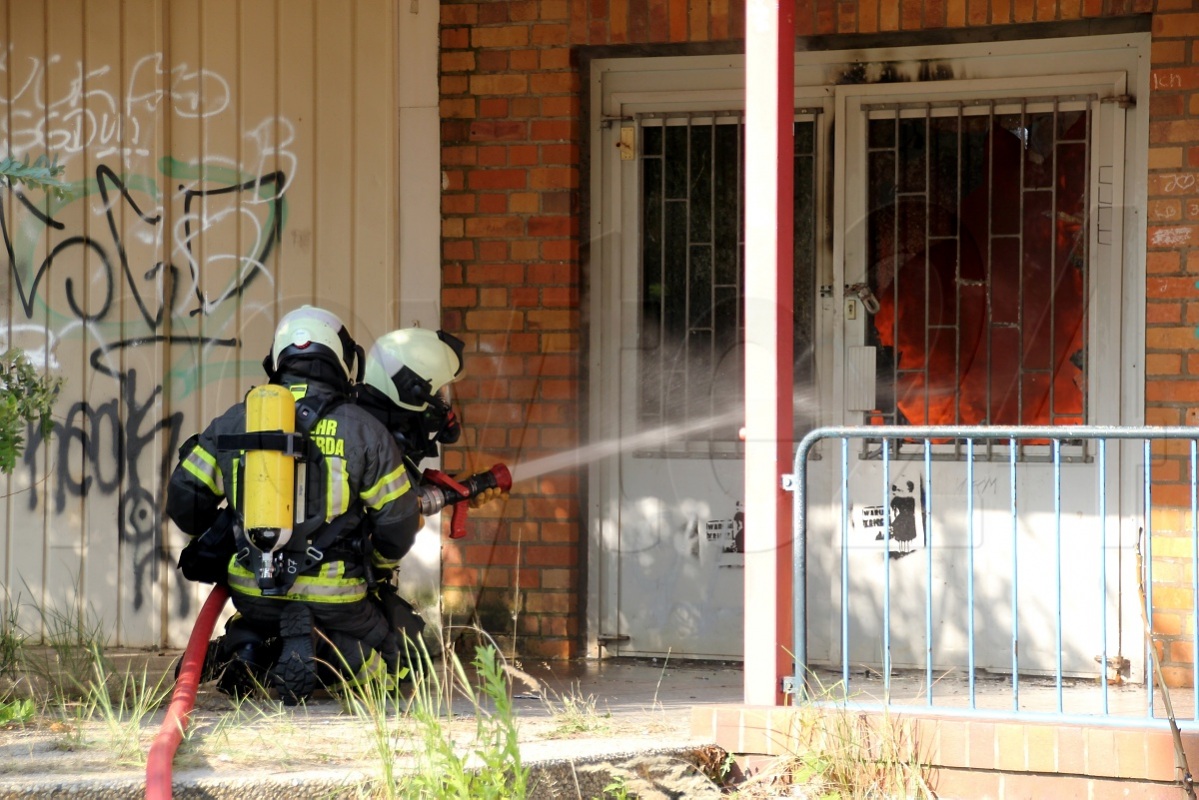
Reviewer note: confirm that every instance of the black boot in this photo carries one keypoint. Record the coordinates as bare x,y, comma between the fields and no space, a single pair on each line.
295,673
243,672
214,660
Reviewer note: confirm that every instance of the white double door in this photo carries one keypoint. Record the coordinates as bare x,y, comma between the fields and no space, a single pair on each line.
665,573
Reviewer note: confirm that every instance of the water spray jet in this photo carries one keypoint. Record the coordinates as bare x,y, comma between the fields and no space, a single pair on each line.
804,397
588,454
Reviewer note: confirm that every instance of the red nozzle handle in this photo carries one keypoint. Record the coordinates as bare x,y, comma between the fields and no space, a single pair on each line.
458,521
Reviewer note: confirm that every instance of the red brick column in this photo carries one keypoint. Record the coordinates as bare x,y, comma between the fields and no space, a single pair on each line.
1172,315
510,153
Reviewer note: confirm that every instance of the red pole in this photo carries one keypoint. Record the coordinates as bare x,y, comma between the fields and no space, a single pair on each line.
162,751
769,332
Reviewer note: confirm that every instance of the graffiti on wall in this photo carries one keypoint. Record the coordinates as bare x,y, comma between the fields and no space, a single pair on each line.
147,253
114,439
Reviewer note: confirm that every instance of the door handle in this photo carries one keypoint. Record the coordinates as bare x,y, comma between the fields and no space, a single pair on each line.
863,293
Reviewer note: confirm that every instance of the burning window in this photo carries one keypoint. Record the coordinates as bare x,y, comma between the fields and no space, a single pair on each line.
977,255
692,330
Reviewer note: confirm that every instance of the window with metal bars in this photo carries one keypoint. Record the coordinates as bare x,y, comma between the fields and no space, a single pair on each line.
692,276
977,248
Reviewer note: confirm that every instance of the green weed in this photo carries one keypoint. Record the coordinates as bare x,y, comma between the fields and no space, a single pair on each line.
617,789
12,641
246,712
372,699
12,646
447,762
16,711
69,678
485,766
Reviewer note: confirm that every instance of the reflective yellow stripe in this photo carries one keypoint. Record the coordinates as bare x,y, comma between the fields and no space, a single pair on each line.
315,594
298,390
202,465
337,487
374,668
380,560
389,487
308,588
345,487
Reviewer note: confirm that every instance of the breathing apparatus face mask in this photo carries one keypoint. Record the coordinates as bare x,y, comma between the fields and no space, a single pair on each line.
420,432
417,432
438,421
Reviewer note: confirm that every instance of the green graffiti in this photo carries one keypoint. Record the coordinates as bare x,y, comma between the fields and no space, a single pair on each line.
75,261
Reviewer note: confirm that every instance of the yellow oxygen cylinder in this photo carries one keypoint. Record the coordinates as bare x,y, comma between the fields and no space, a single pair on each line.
270,476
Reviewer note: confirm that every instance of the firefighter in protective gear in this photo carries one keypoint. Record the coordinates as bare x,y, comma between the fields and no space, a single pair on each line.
318,618
403,386
405,373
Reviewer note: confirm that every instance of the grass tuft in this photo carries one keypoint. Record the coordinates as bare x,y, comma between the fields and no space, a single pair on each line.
440,758
842,754
59,671
122,703
575,713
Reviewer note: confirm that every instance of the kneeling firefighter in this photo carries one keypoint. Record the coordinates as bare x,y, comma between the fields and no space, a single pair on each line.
403,386
316,496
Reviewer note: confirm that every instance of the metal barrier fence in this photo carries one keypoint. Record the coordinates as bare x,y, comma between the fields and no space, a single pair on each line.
995,570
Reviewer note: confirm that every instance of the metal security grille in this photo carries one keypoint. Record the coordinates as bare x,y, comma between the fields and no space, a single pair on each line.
692,327
977,247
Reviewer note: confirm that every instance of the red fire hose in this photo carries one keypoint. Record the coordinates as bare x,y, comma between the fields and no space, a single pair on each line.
162,751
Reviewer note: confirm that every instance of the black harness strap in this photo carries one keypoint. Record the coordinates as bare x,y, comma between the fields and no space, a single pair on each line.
308,412
295,445
319,547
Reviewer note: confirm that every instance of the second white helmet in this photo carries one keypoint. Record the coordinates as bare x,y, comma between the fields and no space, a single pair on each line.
409,366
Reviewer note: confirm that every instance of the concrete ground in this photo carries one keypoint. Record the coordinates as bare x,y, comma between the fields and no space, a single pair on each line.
579,724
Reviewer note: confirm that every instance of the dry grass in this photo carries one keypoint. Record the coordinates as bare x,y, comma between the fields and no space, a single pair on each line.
841,754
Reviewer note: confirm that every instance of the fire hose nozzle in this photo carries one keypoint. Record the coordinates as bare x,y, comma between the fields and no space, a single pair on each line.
440,490
432,498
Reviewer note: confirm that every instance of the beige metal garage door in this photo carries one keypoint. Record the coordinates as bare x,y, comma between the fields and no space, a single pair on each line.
228,161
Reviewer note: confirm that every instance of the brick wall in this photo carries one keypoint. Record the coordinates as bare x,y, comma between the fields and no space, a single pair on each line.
1172,314
511,143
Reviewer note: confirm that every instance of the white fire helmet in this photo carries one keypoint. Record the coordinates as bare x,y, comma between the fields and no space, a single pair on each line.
314,332
409,366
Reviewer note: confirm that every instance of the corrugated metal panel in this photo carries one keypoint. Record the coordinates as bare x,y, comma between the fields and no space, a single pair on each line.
231,159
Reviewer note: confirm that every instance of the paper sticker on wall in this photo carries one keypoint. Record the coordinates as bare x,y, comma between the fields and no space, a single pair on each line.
726,539
902,522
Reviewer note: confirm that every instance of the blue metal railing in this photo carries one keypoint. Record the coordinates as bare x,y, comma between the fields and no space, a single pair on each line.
1010,452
